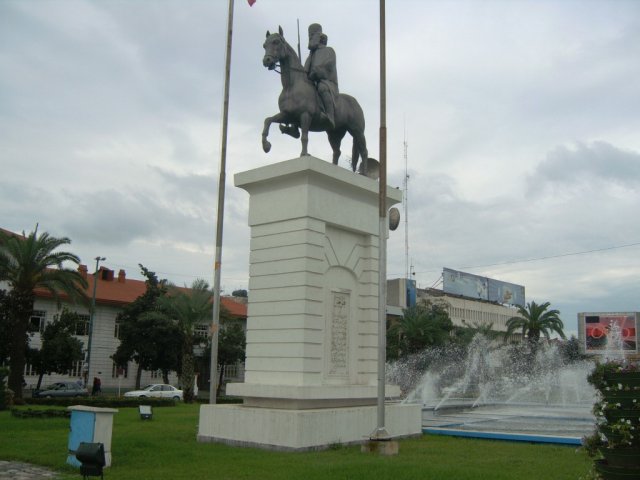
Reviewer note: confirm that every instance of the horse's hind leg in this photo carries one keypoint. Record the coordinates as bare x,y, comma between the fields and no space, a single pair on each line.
335,139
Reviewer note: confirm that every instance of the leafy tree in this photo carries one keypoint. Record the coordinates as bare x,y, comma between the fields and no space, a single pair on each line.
535,320
464,335
240,293
136,330
28,262
232,343
5,399
423,325
188,308
59,346
570,351
5,331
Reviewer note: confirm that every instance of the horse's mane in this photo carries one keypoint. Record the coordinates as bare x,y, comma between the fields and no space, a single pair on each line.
291,51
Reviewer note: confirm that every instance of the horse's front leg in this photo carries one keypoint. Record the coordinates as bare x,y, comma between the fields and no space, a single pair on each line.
277,118
305,123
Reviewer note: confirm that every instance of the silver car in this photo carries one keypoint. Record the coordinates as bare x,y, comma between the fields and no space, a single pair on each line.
157,390
62,389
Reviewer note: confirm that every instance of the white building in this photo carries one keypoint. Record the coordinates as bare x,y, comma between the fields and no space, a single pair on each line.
112,294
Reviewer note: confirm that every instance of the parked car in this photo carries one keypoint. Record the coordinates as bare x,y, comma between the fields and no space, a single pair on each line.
158,390
62,389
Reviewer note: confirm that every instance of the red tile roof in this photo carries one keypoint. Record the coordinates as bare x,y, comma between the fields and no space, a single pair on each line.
120,291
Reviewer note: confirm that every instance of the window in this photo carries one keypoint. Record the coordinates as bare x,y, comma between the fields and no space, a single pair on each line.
116,331
29,370
76,369
37,321
201,330
82,325
156,374
119,372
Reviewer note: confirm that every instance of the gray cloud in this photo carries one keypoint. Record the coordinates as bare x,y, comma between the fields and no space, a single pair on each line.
521,120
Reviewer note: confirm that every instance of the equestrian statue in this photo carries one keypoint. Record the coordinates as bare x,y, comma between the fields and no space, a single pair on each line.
310,99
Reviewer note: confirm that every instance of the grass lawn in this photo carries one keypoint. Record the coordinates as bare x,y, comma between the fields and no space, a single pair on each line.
166,448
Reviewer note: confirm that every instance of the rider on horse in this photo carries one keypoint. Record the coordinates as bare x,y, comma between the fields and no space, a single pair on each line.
321,70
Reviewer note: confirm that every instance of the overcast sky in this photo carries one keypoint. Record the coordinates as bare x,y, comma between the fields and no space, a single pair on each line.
521,118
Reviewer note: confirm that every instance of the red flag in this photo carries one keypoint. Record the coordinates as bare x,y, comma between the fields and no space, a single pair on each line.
251,2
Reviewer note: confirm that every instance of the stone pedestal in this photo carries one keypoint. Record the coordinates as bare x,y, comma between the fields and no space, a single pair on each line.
312,330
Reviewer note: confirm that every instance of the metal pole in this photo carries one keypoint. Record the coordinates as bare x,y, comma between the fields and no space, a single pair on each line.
381,432
91,317
213,383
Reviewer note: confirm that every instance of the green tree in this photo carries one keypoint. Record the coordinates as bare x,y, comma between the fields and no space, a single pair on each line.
570,351
60,349
232,343
426,324
5,331
188,308
28,262
140,332
535,320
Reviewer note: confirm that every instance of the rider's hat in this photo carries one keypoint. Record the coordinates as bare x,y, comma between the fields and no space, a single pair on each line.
315,28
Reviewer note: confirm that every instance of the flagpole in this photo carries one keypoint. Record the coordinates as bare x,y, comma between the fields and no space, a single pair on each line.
381,432
215,323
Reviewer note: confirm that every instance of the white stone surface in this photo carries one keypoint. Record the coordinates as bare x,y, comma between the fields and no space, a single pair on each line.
300,430
312,326
312,313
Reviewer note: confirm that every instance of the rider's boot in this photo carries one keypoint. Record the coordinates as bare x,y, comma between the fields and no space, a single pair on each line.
327,101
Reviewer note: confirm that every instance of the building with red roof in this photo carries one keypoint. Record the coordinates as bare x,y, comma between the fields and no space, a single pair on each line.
113,292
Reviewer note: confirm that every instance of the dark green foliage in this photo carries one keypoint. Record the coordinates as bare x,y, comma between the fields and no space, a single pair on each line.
142,334
5,399
28,262
240,293
535,320
570,351
188,308
101,401
60,349
424,325
232,344
5,330
31,413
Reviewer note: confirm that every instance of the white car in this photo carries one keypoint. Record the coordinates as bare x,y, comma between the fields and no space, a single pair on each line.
157,390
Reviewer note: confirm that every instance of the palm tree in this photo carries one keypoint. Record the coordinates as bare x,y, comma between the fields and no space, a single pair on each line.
29,262
423,325
535,320
188,307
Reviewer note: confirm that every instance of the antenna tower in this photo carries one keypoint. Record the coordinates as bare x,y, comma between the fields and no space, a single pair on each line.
406,211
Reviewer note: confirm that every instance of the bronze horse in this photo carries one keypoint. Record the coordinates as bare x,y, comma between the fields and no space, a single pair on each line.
300,106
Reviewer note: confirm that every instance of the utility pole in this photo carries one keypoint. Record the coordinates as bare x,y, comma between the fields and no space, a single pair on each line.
215,323
381,433
92,316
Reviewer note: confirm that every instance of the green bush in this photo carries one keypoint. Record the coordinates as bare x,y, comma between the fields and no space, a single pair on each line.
6,395
31,413
102,401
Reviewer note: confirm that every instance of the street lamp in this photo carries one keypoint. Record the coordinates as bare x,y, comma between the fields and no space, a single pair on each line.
93,311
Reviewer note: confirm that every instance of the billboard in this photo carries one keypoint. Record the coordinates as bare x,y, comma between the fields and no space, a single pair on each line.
609,332
465,284
482,288
503,292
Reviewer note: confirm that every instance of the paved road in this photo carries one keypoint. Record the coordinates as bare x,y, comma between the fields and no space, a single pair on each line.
24,471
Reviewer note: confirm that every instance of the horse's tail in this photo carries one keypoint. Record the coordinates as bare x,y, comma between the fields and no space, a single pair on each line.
355,154
355,126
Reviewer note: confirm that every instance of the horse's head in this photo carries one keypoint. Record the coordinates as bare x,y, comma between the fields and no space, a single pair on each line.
275,49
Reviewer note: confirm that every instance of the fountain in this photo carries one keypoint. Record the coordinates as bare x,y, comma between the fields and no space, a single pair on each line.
492,390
